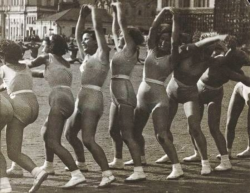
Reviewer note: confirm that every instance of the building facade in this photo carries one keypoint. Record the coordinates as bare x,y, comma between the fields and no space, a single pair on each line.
195,14
18,17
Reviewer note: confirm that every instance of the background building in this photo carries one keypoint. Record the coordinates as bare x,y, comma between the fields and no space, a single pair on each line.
233,17
65,21
19,16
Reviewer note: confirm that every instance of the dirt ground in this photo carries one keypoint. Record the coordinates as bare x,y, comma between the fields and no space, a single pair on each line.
237,180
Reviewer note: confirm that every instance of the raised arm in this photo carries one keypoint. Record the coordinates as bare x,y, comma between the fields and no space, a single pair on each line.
103,49
80,26
115,28
153,31
130,47
175,36
37,73
211,40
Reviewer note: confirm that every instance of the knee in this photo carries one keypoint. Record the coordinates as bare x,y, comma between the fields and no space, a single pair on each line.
162,137
70,136
194,132
88,142
114,134
127,137
52,143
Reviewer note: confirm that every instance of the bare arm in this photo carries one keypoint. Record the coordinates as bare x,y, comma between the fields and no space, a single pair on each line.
210,40
236,76
152,37
37,73
40,60
175,36
80,26
115,28
103,49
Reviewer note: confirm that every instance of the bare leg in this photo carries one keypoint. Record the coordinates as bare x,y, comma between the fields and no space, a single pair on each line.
192,111
235,108
3,165
214,114
49,154
141,118
14,138
126,123
195,157
89,124
73,126
246,152
173,107
160,120
53,138
115,132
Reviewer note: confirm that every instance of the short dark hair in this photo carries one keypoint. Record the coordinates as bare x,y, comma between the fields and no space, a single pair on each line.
136,35
10,50
91,32
57,45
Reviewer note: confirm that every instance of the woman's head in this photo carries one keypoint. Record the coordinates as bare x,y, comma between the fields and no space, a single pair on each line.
135,34
57,45
89,42
164,39
10,51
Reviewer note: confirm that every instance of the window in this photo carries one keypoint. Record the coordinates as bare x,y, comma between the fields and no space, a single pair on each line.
185,3
169,3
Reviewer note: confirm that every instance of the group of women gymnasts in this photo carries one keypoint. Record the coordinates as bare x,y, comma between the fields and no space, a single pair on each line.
199,71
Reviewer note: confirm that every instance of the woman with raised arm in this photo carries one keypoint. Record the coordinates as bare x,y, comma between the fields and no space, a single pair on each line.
18,81
89,104
122,93
58,75
152,98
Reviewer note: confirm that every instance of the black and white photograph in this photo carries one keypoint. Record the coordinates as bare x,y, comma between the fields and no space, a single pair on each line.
121,96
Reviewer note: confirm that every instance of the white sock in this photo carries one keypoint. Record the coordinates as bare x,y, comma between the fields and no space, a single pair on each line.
224,158
117,160
138,169
48,164
176,167
15,166
107,173
76,173
36,171
205,163
4,180
229,151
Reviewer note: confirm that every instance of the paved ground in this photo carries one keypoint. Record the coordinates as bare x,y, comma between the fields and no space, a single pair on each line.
237,180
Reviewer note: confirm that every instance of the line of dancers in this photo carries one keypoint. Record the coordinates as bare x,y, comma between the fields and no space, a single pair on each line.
199,71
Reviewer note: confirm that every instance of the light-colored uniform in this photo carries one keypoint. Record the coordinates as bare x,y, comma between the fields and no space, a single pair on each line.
19,85
93,76
121,88
152,93
59,78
